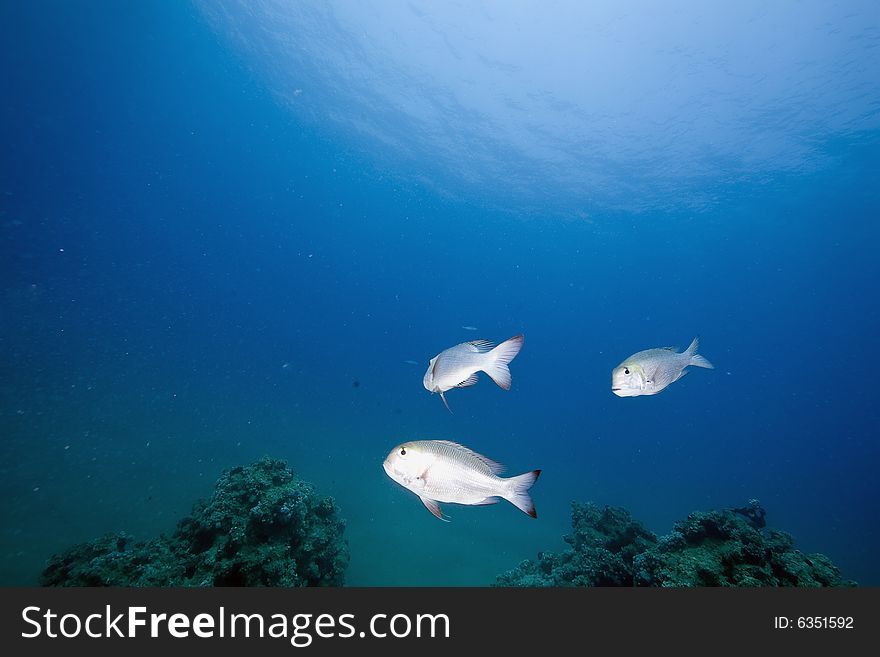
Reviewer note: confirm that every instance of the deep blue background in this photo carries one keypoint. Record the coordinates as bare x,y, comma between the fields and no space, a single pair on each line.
192,278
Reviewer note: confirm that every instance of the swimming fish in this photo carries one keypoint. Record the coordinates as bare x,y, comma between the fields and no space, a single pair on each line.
458,366
470,328
444,471
650,371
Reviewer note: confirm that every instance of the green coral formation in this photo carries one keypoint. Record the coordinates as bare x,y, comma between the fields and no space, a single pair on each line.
603,545
261,527
716,548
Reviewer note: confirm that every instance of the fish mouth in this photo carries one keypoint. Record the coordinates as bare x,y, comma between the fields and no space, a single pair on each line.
396,475
391,471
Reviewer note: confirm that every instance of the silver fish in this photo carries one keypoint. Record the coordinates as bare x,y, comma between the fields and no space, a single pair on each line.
458,366
650,371
444,471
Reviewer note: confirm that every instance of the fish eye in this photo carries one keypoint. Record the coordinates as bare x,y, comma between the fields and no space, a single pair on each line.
403,451
626,370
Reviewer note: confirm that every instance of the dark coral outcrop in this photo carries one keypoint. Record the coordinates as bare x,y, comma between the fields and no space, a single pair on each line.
603,544
261,527
716,548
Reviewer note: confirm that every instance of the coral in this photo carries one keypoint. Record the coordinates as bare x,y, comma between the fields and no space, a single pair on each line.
716,548
603,545
261,527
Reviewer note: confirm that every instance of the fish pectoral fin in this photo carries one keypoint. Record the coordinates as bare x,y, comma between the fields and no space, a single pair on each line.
433,507
422,480
471,380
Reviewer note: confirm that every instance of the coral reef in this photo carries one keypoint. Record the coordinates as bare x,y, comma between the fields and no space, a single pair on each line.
603,546
716,548
261,527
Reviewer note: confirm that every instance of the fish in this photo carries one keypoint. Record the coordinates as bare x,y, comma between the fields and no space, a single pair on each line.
470,328
459,366
445,471
650,371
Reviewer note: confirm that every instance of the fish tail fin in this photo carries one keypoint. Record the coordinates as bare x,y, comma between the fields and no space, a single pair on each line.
499,357
518,492
696,359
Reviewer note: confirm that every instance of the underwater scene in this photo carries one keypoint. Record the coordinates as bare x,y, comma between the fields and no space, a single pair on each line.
325,293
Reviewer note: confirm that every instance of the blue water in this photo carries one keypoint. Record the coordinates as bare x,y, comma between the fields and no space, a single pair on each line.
225,228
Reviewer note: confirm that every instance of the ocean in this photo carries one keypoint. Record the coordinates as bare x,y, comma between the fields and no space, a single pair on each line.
234,229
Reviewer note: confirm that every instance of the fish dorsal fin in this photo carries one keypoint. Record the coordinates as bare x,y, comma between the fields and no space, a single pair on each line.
433,507
494,466
670,348
471,380
481,346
